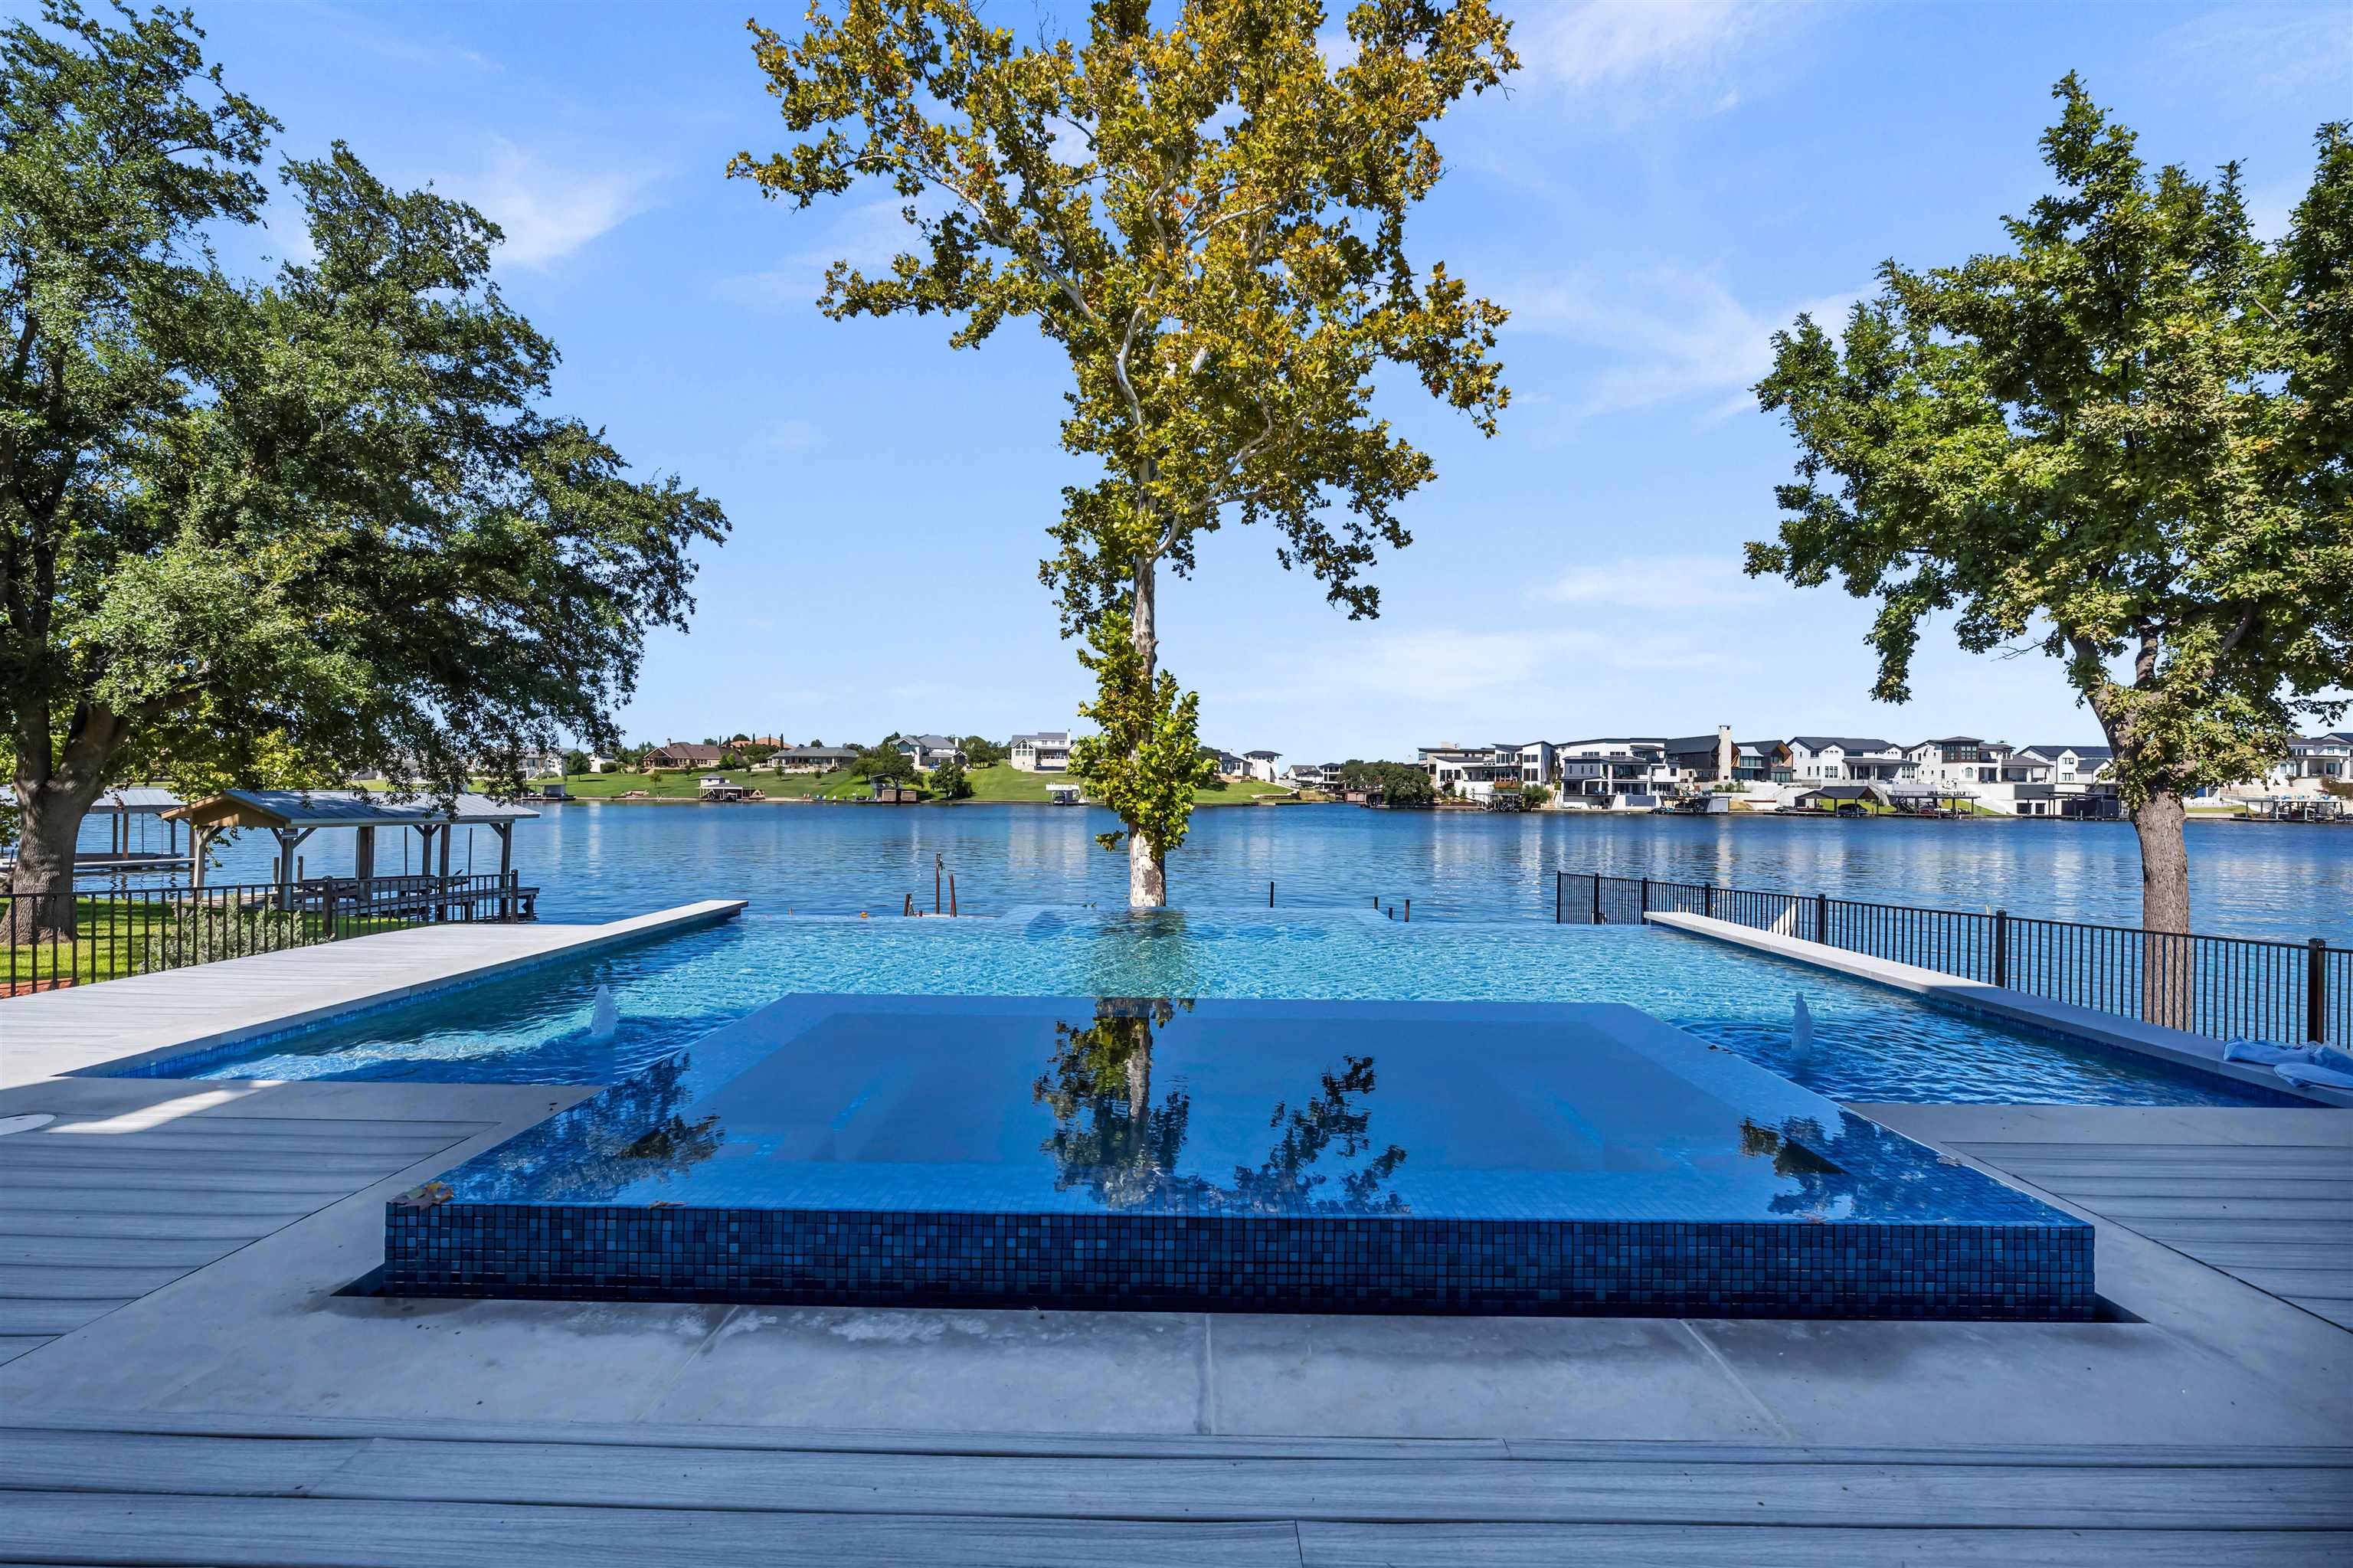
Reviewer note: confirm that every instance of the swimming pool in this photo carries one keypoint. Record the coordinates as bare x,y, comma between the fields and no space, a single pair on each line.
1868,1043
1154,1154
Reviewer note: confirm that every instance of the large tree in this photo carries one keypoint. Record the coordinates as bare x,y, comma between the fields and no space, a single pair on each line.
281,531
1208,218
2123,440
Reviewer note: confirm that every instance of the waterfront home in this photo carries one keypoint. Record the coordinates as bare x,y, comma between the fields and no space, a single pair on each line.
1719,759
1472,772
684,754
1262,764
814,759
2326,755
1617,772
926,752
1047,751
1957,763
2058,780
1846,760
1314,775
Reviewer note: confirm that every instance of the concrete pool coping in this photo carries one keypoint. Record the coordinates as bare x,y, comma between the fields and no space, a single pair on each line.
2174,1045
147,1019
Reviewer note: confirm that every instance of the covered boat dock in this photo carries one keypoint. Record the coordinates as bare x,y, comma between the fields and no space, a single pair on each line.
292,816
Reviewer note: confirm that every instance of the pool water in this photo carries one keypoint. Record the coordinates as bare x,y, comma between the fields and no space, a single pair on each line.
1157,1154
1867,1043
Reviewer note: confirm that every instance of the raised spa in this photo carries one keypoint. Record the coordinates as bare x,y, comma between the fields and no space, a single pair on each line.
1232,1155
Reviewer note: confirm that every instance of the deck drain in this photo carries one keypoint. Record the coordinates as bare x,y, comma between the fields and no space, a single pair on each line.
9,1124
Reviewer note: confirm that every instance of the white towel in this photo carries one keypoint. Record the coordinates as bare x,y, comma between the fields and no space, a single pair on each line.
2266,1052
2304,1074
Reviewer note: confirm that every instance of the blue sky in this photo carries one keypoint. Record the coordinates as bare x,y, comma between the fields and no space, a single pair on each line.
1665,185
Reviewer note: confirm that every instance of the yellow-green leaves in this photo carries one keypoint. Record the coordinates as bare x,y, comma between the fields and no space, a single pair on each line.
1206,217
1148,761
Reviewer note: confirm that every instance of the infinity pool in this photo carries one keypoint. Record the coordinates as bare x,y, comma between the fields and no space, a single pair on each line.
1867,1043
1151,1153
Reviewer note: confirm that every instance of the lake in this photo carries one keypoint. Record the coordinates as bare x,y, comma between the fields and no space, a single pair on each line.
601,861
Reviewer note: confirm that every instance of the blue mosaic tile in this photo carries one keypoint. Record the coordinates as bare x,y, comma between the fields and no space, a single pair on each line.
1256,1156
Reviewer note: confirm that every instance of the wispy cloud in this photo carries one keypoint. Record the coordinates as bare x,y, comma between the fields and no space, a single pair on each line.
548,211
2272,50
1655,582
1635,57
1660,334
787,436
868,237
1400,665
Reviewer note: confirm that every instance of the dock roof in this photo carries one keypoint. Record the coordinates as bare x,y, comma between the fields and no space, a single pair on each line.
339,809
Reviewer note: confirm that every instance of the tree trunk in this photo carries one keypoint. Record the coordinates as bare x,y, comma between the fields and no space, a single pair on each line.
2167,963
1147,873
48,824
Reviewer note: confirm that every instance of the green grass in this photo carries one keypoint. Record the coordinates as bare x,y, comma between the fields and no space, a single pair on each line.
1002,784
113,939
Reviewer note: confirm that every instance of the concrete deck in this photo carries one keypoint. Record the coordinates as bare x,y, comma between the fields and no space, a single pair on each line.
2107,1029
242,1411
151,1017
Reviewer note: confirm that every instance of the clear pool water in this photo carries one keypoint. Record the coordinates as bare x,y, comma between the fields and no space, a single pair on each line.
1868,1044
1085,1105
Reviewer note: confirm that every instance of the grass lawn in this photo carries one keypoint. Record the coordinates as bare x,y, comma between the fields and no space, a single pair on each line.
1002,784
113,937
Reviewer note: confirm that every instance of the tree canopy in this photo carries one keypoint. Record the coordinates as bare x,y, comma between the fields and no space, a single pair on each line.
1208,218
2124,441
287,530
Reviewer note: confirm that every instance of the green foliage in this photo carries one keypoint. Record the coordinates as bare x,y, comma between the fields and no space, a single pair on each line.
883,762
2128,441
289,530
1208,221
1147,759
949,782
1536,794
576,763
1401,783
982,753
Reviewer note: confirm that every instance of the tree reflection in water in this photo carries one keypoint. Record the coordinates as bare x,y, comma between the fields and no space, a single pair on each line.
628,1133
1110,1139
1846,1175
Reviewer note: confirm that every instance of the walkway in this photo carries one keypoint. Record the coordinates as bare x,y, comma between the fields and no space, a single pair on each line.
2265,1199
441,1495
249,1411
156,1016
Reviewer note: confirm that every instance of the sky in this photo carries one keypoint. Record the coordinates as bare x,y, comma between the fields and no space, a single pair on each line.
1663,187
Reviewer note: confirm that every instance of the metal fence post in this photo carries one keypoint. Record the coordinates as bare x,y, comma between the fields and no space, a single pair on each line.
1597,898
2002,947
1646,897
1707,903
2315,990
1270,896
1823,918
1560,898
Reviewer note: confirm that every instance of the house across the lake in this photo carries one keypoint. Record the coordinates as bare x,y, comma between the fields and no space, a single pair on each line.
814,759
684,754
926,752
1047,751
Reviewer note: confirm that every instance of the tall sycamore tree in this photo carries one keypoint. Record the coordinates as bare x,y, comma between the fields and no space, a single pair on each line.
2128,441
1209,219
280,531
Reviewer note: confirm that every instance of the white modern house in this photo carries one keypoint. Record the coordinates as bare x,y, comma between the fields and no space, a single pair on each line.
2326,755
1472,772
1960,763
1847,759
1262,765
1313,775
1047,751
928,751
1616,772
2049,780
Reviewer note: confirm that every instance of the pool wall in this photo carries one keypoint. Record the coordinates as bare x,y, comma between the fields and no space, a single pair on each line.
1272,1264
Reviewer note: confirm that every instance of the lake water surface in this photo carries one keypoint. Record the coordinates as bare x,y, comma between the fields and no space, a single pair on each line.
598,862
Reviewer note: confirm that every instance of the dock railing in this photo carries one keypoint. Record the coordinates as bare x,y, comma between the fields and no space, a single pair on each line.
2223,987
117,932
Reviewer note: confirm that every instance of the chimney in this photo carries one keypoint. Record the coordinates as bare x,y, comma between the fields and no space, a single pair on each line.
1725,765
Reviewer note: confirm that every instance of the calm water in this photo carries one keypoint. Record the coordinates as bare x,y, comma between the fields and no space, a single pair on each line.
1028,1104
1868,1044
602,862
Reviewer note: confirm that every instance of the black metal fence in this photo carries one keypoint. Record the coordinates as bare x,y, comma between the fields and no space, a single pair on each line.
2225,987
62,937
